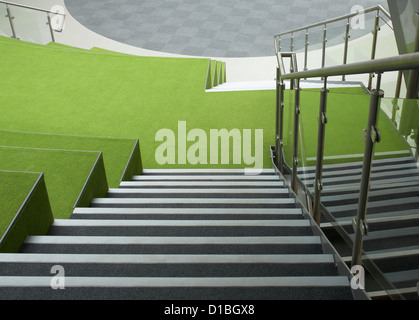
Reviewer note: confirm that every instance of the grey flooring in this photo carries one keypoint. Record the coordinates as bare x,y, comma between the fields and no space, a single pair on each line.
224,28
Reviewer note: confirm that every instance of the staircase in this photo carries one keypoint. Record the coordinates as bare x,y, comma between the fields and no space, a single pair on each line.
180,234
392,218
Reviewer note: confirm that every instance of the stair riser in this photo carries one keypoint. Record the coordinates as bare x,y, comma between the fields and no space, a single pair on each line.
399,263
170,270
191,205
174,249
187,216
204,231
174,293
390,242
209,195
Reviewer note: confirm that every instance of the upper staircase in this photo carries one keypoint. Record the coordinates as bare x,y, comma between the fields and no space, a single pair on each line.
181,234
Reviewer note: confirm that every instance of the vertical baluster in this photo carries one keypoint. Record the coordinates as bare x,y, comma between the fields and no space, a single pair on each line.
345,50
9,15
372,137
296,129
305,51
320,152
277,44
374,44
277,119
292,42
50,27
279,144
324,45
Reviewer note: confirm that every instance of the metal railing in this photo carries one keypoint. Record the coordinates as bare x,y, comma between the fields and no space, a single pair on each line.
49,15
380,14
372,134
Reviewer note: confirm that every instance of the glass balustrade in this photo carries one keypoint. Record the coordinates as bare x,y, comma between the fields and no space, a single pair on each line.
30,25
391,242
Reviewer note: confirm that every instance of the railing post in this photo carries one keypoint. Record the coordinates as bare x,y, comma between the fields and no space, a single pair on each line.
9,15
306,51
374,44
324,45
345,50
296,130
320,151
50,27
372,137
277,119
292,42
279,142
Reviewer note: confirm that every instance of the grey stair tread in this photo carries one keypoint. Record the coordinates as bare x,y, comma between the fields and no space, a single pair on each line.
173,245
344,172
392,233
201,184
194,202
379,204
174,223
167,259
394,252
187,211
204,177
398,216
373,194
132,282
376,162
184,193
403,276
410,174
205,171
171,240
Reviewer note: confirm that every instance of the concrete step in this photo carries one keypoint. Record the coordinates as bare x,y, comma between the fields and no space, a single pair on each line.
194,202
207,177
173,245
197,193
178,288
202,184
186,213
185,228
120,265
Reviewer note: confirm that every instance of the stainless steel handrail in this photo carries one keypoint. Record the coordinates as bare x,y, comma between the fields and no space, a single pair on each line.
347,16
378,9
407,61
32,8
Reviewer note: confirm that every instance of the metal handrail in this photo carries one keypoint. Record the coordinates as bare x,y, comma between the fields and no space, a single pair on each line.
48,17
407,61
30,7
347,16
324,24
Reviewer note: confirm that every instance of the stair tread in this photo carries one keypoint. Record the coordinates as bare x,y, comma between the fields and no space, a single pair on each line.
195,190
166,259
171,240
186,211
213,184
127,282
173,223
204,177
